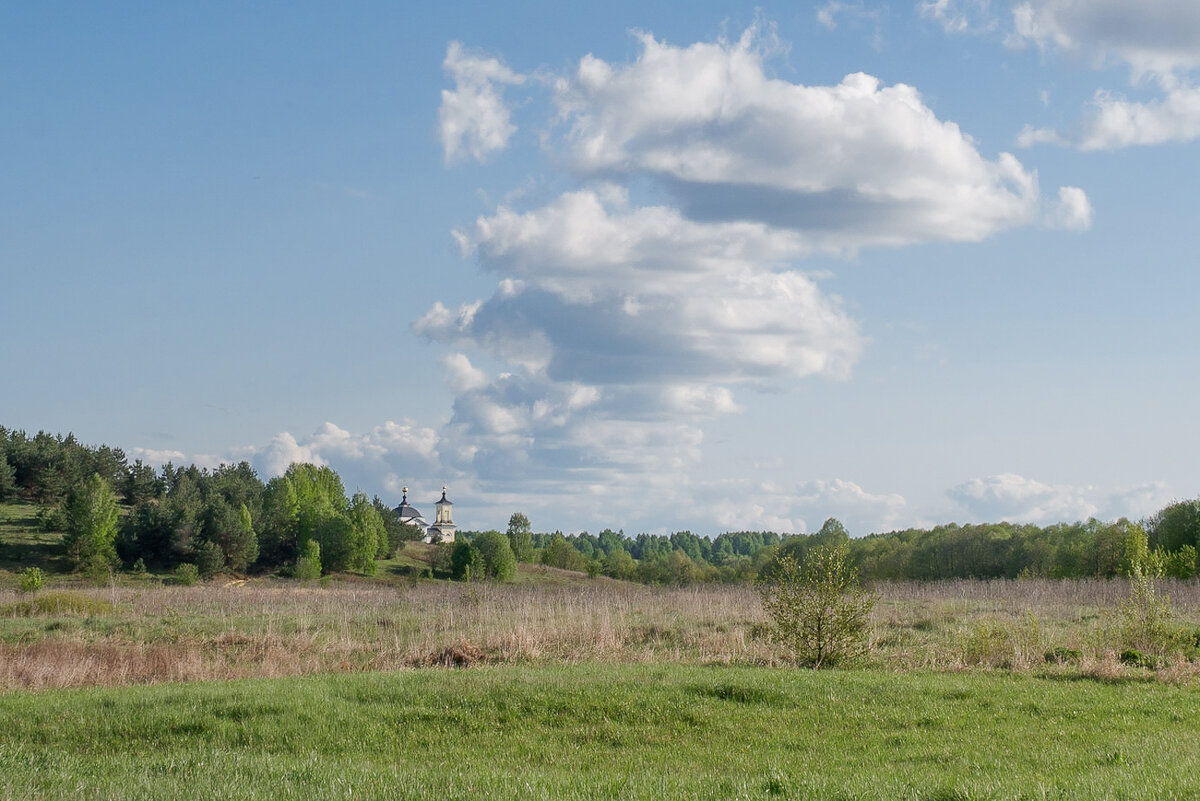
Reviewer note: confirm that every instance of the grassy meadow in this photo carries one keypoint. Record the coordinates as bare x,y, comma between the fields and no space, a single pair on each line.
594,731
557,686
143,632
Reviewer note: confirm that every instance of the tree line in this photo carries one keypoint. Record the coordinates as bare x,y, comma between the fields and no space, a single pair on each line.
113,513
222,520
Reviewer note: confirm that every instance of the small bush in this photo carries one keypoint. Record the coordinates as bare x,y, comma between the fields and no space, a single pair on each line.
1064,656
1135,658
139,567
32,579
1146,621
187,574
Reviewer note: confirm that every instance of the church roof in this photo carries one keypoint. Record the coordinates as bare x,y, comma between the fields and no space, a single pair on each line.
405,510
444,499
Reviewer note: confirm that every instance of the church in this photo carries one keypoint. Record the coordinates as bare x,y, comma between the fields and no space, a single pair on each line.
442,529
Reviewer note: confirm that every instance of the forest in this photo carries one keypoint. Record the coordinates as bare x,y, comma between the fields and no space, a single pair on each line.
117,515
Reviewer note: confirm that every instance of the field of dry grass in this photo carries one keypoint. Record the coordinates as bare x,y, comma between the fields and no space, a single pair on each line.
138,635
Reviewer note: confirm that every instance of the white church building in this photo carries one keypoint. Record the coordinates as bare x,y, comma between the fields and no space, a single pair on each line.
442,529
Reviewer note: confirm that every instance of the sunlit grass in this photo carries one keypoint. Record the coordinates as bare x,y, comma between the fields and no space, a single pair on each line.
604,731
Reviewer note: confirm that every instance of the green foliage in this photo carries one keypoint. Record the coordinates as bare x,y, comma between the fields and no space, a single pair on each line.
308,566
1135,658
139,567
559,553
1176,525
32,579
466,562
210,560
8,479
91,526
619,564
817,611
520,537
499,563
1146,622
1180,564
186,574
367,534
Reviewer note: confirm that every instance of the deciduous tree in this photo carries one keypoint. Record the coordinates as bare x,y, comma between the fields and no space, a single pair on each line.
818,612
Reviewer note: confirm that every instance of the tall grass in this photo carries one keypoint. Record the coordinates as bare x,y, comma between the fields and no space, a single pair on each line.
137,635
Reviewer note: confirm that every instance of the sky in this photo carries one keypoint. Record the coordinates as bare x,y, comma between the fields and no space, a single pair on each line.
707,266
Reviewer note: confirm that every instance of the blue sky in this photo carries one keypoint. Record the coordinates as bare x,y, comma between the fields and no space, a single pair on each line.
714,266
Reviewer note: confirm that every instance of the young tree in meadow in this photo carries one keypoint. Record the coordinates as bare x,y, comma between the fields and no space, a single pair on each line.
91,511
520,537
818,612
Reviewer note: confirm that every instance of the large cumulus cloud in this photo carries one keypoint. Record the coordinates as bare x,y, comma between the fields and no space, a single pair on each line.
669,279
854,164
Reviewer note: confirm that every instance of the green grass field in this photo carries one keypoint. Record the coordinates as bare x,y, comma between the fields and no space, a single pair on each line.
597,731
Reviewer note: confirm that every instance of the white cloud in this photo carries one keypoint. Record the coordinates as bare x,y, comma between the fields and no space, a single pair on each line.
1071,212
283,451
1136,502
1017,499
473,119
463,375
767,505
1120,123
627,326
849,165
1030,136
860,511
1159,39
960,16
1011,497
618,295
158,458
829,14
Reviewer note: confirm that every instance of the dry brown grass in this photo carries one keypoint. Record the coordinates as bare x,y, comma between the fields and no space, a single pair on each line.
266,628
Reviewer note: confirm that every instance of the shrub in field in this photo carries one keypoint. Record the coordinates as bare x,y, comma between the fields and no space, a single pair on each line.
818,612
187,574
1135,658
1146,622
992,643
1064,656
32,579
